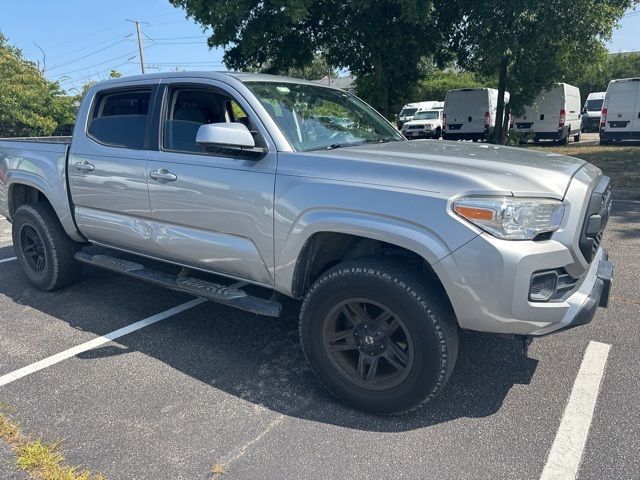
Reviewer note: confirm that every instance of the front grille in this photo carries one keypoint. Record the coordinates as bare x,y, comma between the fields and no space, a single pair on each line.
415,127
596,219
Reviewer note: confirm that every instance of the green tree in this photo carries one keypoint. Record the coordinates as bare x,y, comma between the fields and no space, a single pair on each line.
436,84
594,75
315,70
29,104
530,44
381,42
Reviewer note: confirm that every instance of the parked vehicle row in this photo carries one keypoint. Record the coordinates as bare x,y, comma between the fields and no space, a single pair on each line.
556,114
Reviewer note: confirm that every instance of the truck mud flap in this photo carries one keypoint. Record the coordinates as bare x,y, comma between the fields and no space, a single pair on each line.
234,297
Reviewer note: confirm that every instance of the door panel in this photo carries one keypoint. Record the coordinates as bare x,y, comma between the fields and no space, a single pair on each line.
217,214
108,183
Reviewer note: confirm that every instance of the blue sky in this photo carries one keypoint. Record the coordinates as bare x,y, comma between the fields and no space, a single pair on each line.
83,40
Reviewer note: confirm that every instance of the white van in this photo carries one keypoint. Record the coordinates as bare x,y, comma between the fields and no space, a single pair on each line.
470,113
410,109
591,112
555,115
621,111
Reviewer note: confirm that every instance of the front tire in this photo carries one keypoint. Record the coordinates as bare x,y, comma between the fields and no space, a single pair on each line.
44,251
576,138
376,337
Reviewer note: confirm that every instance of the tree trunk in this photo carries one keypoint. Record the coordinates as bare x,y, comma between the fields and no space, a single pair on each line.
502,86
505,124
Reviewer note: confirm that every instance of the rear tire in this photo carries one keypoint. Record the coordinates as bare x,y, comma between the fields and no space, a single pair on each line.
376,337
576,138
44,251
564,140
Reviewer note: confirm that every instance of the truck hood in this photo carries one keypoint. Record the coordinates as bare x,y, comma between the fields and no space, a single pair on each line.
446,168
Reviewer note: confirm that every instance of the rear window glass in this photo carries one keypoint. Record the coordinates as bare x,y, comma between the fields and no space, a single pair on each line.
593,105
119,118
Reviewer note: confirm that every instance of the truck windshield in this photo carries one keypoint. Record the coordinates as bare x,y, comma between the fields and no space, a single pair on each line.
428,115
314,117
593,105
407,112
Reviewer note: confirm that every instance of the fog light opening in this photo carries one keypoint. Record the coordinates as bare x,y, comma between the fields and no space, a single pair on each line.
543,286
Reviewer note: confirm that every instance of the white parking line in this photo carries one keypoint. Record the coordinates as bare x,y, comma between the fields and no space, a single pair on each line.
8,259
96,342
566,452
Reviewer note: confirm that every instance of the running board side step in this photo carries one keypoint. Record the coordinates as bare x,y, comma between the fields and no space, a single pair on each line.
234,297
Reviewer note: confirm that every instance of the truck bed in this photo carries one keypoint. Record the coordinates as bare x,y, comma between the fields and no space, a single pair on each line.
58,139
39,162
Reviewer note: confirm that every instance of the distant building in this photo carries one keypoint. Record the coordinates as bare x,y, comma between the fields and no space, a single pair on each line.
345,83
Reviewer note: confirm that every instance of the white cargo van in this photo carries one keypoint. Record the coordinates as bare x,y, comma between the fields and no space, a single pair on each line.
621,111
470,113
410,109
591,112
555,115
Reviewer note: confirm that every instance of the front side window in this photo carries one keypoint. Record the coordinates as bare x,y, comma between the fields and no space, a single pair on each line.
188,108
314,117
594,105
408,112
428,115
119,118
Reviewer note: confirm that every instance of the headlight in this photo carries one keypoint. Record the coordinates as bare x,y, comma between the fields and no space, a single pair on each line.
512,218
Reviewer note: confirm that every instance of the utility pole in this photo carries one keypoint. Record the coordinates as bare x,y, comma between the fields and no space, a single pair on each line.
140,48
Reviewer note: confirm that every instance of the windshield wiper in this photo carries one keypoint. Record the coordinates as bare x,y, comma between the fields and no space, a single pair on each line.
378,140
333,146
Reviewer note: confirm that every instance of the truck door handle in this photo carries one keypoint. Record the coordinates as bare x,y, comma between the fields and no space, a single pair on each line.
84,166
163,175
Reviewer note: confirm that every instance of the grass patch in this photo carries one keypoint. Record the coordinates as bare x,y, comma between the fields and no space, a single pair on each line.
217,470
621,163
42,460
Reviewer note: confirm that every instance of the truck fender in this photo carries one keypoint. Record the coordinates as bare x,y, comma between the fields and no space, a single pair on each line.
417,238
39,183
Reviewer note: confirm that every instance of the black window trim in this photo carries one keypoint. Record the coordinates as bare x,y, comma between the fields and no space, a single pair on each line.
161,113
95,103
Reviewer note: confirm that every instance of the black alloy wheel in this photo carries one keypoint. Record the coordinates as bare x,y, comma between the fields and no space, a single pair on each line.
368,344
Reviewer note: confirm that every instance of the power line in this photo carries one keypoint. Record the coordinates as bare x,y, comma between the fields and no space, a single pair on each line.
187,63
87,78
88,54
176,38
97,64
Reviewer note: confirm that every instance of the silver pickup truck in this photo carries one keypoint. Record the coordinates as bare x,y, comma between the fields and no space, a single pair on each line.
247,187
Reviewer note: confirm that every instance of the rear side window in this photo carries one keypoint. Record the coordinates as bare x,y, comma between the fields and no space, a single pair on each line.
119,118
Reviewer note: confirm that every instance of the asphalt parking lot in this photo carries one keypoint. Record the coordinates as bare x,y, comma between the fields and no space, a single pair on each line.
213,385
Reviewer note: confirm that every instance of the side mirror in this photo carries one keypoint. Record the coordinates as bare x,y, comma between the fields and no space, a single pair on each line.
225,135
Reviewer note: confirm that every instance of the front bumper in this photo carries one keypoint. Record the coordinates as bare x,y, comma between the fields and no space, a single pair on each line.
419,133
590,124
625,135
488,283
598,297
